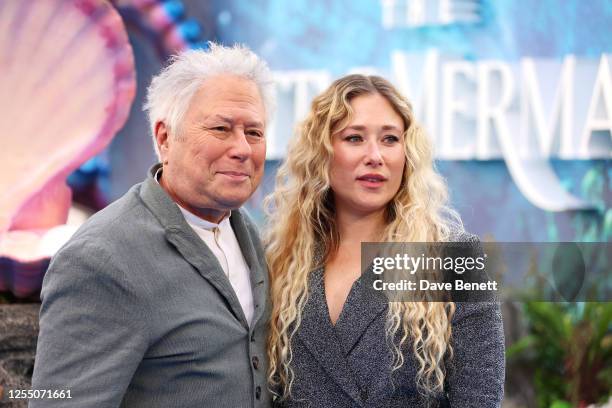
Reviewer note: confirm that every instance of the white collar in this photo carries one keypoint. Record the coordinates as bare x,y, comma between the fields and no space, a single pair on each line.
196,221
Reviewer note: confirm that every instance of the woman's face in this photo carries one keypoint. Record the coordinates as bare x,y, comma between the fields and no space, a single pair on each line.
368,162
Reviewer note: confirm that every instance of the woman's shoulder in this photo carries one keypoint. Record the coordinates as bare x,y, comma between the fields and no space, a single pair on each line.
460,235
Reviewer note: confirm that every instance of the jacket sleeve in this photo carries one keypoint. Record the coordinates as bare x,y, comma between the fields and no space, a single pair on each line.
92,329
476,373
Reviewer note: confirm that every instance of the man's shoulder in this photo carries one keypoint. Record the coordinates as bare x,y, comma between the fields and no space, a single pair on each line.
116,222
107,247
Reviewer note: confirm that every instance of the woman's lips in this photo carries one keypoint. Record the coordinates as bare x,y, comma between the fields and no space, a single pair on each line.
371,180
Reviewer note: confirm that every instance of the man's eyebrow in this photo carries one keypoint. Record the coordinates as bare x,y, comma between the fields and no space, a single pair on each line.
223,118
256,124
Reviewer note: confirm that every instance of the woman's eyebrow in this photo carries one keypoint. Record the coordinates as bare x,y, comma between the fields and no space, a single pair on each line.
362,128
355,127
390,127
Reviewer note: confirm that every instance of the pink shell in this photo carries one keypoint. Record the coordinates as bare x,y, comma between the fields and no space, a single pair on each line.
67,82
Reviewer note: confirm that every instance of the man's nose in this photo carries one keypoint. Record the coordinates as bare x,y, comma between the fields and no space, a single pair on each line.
241,148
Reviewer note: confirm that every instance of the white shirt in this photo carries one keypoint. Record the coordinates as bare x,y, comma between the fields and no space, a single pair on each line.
222,242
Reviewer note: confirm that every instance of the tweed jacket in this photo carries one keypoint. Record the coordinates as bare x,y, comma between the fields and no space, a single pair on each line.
349,364
137,312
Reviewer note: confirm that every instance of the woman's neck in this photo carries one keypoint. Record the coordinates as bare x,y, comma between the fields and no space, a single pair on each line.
355,228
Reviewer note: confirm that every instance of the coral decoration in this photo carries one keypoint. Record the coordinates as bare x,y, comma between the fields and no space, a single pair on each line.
67,81
165,23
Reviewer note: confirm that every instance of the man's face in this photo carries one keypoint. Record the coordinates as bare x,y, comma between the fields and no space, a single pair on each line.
215,160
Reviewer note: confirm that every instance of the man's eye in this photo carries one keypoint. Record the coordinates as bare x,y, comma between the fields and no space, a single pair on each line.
220,128
255,133
255,136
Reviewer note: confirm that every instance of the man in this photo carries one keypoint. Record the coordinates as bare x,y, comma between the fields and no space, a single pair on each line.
160,299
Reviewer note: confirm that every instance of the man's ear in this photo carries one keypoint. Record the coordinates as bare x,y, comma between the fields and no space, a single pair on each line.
162,138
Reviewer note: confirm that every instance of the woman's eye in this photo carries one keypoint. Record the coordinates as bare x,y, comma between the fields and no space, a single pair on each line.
353,138
391,139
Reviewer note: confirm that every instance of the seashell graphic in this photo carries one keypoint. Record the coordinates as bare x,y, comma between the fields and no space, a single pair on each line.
67,82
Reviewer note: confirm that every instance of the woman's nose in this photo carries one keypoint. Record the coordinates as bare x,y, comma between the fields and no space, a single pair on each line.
373,154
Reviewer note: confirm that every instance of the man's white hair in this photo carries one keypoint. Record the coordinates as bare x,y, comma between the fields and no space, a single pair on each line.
170,92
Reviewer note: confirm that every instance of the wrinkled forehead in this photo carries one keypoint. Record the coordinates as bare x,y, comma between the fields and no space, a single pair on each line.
229,97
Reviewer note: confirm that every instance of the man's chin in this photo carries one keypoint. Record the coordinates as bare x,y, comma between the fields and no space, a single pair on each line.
227,197
234,202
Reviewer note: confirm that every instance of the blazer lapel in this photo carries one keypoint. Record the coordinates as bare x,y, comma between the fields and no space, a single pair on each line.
252,251
318,335
362,306
187,243
197,253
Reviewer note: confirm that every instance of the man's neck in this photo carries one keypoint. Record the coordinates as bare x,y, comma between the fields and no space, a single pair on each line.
208,214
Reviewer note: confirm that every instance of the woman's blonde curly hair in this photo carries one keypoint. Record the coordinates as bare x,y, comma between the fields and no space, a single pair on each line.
302,219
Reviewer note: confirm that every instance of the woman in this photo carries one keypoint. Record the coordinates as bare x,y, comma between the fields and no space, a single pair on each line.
360,170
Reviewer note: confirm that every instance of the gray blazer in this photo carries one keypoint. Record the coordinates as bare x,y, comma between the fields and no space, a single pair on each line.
137,312
349,364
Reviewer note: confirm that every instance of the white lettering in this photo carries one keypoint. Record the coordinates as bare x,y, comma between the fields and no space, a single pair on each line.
563,109
424,284
602,87
424,98
451,106
488,111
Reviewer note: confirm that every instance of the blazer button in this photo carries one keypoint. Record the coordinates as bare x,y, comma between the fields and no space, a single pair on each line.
253,338
255,361
258,392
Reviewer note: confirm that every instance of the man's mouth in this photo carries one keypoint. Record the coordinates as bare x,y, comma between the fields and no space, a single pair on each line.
235,175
